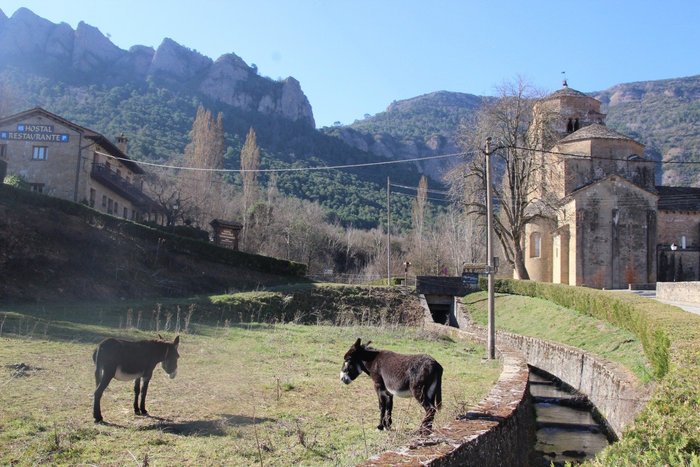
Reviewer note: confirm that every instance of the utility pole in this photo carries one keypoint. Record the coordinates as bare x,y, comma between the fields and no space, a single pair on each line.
490,270
388,232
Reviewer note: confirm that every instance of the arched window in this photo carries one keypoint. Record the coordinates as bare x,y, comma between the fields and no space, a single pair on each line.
576,125
535,245
570,127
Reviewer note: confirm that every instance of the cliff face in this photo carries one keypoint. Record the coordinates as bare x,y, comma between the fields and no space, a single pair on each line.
86,56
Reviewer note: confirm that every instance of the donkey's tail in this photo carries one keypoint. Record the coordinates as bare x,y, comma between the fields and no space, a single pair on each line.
98,372
438,391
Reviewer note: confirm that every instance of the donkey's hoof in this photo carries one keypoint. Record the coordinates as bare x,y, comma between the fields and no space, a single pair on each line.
380,427
99,420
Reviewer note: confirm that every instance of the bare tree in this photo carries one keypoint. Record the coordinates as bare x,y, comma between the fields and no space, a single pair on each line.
519,182
418,212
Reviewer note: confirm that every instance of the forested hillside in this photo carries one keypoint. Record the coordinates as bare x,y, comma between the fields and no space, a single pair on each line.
664,115
152,97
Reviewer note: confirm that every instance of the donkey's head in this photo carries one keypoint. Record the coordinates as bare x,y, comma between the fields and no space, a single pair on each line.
352,364
171,355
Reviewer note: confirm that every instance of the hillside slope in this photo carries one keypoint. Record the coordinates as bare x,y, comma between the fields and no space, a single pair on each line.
663,114
47,254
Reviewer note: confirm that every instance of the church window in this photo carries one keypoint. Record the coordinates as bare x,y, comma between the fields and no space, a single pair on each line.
570,127
576,125
535,245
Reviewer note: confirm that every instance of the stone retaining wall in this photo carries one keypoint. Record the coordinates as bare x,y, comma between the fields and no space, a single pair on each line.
685,292
499,431
617,393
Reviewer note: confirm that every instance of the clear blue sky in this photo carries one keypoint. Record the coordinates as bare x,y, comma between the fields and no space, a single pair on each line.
354,57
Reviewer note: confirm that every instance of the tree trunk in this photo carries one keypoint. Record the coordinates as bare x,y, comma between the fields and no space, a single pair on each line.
519,259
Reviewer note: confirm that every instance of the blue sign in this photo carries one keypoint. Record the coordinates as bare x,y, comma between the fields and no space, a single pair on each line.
470,279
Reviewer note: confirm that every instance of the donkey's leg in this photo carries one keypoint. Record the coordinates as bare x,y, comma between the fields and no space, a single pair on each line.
104,382
428,404
137,390
382,407
144,390
389,405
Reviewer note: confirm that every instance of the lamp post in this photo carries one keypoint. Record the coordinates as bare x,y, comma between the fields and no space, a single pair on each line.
491,342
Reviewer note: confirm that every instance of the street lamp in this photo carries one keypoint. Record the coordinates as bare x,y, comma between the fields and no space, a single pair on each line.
489,256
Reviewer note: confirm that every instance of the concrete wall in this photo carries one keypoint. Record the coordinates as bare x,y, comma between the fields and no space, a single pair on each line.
686,292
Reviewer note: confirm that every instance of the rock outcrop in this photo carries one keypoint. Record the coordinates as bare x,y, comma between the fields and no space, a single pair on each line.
85,55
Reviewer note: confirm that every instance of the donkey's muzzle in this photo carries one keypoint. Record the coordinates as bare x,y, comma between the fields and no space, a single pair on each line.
345,378
173,374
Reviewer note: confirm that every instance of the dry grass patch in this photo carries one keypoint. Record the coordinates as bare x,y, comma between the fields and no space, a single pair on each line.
249,394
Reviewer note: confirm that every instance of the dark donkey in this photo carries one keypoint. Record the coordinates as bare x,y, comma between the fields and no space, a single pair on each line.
399,375
127,360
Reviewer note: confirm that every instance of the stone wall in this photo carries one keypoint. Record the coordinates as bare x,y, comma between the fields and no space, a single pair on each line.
686,292
499,431
617,394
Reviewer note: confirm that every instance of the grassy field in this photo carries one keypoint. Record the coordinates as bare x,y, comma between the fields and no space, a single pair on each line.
245,394
546,320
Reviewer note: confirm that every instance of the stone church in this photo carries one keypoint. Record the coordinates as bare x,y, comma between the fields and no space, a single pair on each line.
613,226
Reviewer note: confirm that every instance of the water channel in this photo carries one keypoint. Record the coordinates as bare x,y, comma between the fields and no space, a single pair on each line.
569,428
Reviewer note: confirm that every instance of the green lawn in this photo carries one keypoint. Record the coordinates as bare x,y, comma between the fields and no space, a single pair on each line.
546,320
245,394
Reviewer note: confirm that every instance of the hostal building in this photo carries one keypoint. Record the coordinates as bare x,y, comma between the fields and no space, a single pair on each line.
65,160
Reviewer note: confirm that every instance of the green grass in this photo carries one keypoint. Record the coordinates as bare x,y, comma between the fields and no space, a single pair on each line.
245,394
546,320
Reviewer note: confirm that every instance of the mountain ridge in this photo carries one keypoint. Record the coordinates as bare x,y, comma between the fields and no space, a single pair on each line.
90,57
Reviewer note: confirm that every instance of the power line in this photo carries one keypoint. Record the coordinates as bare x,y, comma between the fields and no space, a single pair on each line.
437,192
584,156
288,169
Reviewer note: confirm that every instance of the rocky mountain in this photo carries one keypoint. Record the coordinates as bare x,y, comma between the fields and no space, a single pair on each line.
664,115
422,126
86,56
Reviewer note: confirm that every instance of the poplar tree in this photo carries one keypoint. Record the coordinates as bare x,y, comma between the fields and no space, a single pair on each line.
250,162
203,156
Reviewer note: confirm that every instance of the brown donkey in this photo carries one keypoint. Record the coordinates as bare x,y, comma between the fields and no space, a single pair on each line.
399,375
127,360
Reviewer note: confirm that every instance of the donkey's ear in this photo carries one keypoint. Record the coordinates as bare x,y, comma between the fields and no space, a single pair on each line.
357,342
368,343
177,340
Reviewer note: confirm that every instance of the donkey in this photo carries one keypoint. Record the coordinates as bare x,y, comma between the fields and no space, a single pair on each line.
399,375
127,360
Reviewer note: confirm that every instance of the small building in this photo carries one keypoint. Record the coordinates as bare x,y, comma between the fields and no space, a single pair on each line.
59,158
226,233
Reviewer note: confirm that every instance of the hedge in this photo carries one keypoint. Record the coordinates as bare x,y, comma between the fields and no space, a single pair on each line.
173,242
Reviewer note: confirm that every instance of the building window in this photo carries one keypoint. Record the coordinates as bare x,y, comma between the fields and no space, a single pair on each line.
36,187
110,203
39,153
104,201
126,213
535,245
3,150
92,197
116,208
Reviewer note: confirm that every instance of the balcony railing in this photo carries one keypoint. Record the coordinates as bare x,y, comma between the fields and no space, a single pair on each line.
120,185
